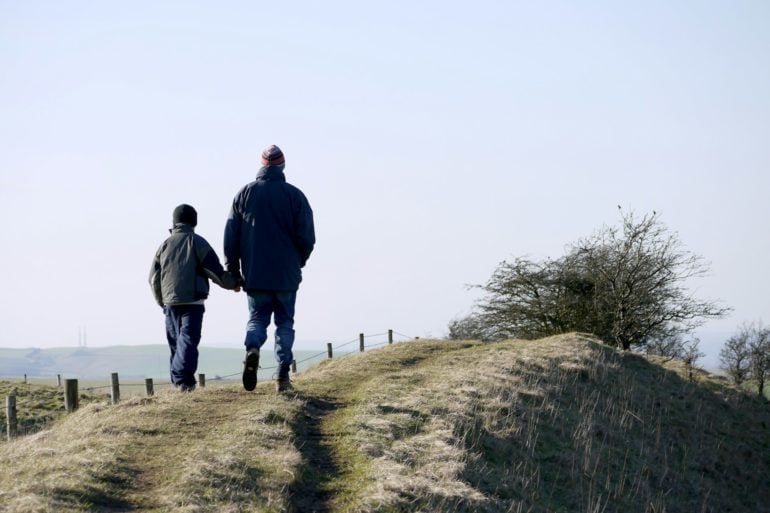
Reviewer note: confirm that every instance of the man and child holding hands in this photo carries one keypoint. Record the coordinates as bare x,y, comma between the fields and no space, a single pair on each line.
269,235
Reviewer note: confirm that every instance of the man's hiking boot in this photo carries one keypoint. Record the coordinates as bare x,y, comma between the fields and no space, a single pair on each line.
283,383
250,366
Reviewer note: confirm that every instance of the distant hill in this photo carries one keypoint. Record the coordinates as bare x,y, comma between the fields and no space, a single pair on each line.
564,424
131,362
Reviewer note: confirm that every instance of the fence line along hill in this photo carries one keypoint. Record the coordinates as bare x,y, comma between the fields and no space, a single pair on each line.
554,425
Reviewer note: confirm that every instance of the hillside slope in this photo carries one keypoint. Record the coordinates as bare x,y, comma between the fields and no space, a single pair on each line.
561,424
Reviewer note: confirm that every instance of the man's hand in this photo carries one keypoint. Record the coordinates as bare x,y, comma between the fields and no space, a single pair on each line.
231,281
238,280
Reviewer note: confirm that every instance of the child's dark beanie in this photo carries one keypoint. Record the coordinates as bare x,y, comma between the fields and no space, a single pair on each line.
273,156
185,214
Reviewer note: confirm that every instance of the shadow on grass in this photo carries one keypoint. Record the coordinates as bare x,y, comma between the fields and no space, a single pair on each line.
94,497
632,436
310,492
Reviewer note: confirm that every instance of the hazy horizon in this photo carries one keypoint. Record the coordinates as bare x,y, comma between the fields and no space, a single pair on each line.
433,141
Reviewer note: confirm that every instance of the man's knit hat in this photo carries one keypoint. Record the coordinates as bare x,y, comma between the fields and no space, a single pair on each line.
185,214
273,156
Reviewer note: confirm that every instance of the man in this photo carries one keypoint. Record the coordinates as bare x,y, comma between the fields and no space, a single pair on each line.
269,236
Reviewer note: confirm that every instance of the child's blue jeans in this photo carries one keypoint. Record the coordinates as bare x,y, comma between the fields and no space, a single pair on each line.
183,332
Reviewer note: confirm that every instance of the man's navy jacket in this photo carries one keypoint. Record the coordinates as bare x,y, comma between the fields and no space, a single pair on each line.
269,233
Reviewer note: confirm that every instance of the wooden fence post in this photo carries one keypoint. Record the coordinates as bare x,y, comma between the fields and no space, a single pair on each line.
115,395
294,366
10,415
361,342
329,349
202,380
148,387
25,379
390,336
58,380
70,395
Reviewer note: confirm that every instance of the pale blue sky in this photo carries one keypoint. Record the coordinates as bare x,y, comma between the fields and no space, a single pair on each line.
433,141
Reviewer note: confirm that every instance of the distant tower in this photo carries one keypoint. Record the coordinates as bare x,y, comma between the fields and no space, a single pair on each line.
82,338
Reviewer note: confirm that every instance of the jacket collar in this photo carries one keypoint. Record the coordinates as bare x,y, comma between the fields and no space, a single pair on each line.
271,173
182,228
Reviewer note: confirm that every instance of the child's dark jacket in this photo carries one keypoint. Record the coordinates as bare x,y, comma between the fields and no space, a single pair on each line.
182,267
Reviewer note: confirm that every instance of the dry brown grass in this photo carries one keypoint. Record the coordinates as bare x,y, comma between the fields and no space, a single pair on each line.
561,424
38,404
219,450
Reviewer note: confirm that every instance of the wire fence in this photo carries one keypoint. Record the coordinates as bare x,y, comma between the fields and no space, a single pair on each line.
18,427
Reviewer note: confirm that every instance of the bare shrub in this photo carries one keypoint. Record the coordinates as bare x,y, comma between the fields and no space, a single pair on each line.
625,284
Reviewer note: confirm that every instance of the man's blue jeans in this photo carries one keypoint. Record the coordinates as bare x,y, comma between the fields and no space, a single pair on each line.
264,304
183,332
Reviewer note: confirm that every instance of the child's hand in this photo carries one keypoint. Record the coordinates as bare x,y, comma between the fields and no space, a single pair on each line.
231,281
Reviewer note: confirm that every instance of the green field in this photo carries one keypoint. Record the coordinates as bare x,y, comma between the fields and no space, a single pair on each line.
130,362
40,399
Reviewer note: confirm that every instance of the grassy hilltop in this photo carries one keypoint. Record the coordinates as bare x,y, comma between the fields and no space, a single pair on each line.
563,424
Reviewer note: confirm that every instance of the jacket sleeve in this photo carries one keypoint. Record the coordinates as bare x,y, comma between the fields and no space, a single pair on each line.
155,279
304,230
233,239
212,269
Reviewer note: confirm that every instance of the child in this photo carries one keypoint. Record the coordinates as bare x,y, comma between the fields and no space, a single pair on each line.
180,282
